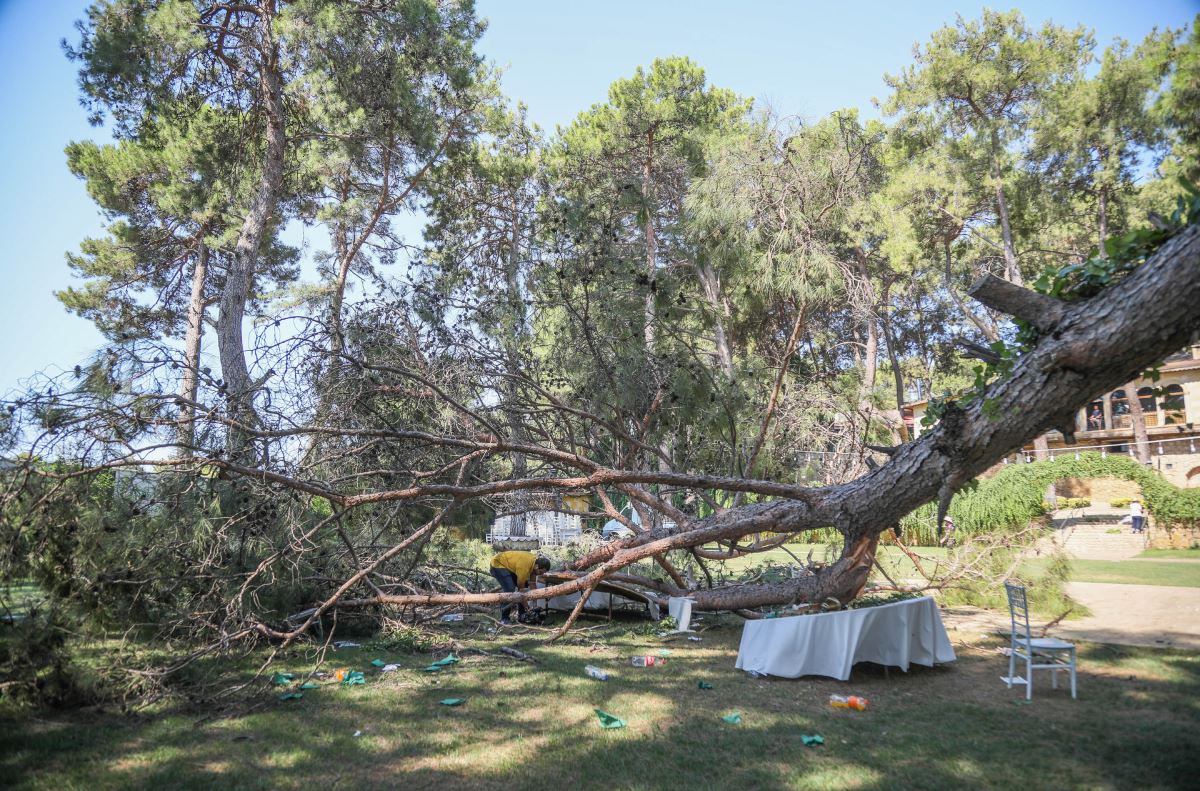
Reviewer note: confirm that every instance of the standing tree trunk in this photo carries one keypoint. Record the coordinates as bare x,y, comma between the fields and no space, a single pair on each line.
711,284
651,241
189,387
240,277
1012,270
1137,419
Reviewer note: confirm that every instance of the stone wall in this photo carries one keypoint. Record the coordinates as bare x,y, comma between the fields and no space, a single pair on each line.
1098,490
1173,538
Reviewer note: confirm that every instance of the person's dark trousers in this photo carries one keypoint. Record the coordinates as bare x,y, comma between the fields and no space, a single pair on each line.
508,584
1139,523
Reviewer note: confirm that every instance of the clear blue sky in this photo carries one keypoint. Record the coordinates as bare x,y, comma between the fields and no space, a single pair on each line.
803,58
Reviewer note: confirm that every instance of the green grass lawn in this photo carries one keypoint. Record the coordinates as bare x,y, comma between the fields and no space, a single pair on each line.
1128,572
891,558
1179,554
16,597
1142,570
955,726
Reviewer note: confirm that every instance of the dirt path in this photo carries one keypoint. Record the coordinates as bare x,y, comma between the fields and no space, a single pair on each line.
1153,615
1157,616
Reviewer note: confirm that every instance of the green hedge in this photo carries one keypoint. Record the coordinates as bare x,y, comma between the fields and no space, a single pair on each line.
1014,496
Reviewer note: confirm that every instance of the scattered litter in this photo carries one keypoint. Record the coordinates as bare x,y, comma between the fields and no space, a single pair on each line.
695,639
733,718
772,615
378,662
340,673
346,644
609,721
704,685
357,734
452,701
596,673
812,741
282,679
648,661
848,702
441,663
664,652
309,685
354,677
291,696
452,616
388,668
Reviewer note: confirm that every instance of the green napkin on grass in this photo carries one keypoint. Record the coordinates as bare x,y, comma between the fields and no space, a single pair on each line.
282,679
436,666
609,721
354,677
812,741
378,662
734,718
309,685
291,696
452,701
704,685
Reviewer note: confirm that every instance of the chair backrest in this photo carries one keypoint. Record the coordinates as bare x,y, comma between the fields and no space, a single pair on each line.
1018,609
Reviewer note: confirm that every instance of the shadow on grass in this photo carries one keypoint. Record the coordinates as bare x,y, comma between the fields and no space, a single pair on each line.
1135,725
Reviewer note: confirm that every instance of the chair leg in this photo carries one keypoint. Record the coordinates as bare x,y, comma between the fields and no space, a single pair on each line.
1029,678
1012,665
1072,674
1054,678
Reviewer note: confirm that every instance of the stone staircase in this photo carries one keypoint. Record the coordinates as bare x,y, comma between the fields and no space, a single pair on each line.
1093,539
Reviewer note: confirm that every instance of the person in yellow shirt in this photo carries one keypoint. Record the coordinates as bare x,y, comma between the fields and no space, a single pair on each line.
515,571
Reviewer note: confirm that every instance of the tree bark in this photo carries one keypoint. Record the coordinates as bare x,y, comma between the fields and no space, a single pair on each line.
1137,420
265,203
189,386
711,284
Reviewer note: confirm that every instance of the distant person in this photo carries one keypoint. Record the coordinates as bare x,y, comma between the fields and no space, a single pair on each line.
1096,419
1136,516
948,529
516,570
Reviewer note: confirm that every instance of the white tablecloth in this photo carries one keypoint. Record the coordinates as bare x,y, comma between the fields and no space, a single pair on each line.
829,644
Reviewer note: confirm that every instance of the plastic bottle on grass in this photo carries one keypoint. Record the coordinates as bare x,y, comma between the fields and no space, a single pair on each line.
596,673
648,661
848,702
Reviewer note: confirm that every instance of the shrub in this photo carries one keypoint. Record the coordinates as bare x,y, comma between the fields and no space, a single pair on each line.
1121,502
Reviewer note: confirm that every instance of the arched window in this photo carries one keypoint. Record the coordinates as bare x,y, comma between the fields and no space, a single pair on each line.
1174,409
1120,409
1095,415
1149,405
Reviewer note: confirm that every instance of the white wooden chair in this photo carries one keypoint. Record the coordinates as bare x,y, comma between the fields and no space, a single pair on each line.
1038,653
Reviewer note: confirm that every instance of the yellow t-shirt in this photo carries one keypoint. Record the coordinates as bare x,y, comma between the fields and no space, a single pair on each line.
519,563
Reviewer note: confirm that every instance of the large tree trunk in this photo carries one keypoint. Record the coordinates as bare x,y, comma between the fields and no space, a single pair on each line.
189,386
240,276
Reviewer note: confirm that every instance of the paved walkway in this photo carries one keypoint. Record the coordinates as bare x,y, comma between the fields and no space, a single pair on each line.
1157,616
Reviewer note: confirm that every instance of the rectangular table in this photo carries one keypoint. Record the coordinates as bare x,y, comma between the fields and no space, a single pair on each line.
828,644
